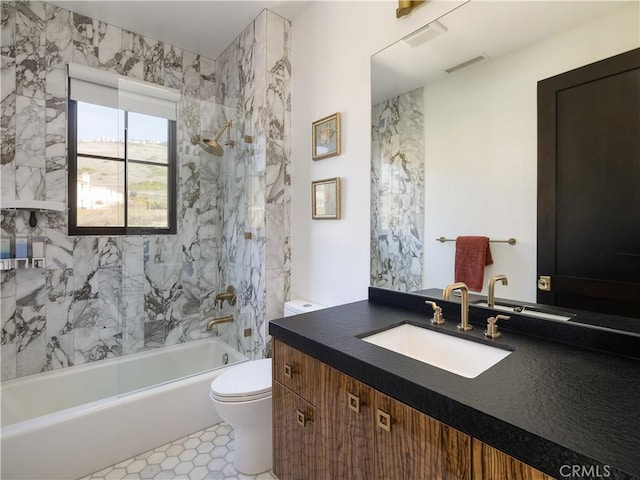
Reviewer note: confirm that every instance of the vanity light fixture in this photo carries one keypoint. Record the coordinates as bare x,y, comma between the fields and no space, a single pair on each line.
425,34
405,7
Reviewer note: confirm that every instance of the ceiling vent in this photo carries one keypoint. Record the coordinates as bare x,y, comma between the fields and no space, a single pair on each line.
467,63
425,34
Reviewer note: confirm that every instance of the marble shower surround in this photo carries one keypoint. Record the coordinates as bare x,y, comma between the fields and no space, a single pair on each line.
261,268
101,297
397,192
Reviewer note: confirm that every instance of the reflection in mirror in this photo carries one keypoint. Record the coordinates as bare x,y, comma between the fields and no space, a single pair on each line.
454,133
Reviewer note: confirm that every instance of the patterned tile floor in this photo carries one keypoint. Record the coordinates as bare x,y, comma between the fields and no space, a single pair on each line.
204,455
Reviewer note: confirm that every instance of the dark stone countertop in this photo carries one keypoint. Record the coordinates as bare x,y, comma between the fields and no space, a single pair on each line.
548,404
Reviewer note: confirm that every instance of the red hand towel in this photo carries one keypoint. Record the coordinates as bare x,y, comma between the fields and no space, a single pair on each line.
472,255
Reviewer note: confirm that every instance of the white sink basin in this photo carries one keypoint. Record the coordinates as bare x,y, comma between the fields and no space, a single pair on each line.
463,357
526,311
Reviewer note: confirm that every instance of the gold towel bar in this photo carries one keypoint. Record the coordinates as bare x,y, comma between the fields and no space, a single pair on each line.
217,321
511,241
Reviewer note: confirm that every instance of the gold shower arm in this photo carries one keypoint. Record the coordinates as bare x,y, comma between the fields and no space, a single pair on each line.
226,126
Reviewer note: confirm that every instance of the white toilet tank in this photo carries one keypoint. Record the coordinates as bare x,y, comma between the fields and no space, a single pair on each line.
296,307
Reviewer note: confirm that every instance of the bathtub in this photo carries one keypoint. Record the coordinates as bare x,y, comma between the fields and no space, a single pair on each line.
74,421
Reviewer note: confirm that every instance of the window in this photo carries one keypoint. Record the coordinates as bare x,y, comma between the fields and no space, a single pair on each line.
122,159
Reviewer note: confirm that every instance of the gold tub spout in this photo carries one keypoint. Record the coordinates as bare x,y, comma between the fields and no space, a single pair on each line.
217,321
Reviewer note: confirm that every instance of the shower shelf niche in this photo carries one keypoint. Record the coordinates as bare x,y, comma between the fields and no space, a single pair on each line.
32,206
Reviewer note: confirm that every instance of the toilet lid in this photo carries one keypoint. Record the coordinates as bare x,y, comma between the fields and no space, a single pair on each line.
248,379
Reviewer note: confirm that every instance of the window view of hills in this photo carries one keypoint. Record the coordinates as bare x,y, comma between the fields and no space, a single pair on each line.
101,183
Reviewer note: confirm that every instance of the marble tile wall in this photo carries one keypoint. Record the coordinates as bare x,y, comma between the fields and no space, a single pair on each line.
397,192
102,297
259,58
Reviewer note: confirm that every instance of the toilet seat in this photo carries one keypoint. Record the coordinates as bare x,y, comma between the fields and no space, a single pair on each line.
245,382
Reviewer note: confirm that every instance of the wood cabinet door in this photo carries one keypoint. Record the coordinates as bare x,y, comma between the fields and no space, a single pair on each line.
296,371
492,464
346,407
294,436
410,445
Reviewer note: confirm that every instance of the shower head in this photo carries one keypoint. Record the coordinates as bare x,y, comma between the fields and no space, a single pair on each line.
212,146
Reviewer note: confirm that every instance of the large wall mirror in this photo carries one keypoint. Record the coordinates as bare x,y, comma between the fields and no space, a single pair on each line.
454,132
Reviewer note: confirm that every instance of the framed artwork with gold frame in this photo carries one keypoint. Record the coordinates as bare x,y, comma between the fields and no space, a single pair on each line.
325,134
325,199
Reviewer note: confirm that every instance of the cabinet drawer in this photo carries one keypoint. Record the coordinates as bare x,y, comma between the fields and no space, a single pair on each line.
492,464
346,408
296,371
295,426
411,445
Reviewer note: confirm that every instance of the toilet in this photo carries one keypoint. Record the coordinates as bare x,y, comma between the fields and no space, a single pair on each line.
242,397
296,307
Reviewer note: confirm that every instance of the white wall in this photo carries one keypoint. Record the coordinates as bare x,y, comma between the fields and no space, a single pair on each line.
481,150
331,50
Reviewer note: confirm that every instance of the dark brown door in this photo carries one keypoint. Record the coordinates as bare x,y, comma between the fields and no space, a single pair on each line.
589,186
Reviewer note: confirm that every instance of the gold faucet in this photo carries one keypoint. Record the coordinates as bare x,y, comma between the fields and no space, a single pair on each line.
464,308
491,296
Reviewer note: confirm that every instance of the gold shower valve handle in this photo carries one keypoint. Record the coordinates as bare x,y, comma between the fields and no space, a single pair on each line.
229,295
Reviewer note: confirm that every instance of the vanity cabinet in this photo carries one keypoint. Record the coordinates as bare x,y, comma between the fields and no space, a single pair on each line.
295,435
329,425
407,444
492,464
411,445
296,438
346,407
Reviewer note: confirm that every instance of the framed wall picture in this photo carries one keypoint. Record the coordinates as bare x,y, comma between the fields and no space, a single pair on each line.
325,199
326,137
